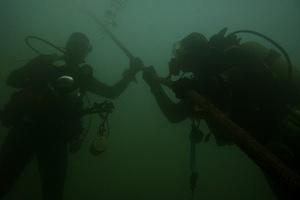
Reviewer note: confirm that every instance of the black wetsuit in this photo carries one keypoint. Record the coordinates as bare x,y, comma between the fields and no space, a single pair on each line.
42,123
243,87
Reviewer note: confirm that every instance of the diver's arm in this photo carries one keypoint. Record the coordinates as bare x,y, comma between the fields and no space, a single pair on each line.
174,112
107,91
117,89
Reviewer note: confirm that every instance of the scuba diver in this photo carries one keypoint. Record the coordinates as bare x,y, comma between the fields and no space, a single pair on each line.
44,115
248,82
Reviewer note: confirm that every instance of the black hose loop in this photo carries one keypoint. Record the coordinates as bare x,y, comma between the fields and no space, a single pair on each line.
29,38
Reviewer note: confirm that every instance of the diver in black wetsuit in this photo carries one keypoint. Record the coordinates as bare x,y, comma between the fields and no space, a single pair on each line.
44,114
247,82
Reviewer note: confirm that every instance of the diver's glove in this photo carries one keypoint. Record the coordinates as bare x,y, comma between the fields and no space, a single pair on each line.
136,65
150,77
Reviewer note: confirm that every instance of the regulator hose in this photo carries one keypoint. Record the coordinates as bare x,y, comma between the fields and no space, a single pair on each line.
29,38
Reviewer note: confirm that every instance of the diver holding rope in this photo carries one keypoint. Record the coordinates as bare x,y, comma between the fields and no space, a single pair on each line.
246,83
44,114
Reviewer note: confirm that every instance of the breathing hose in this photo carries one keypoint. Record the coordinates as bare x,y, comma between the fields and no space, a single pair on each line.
29,38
